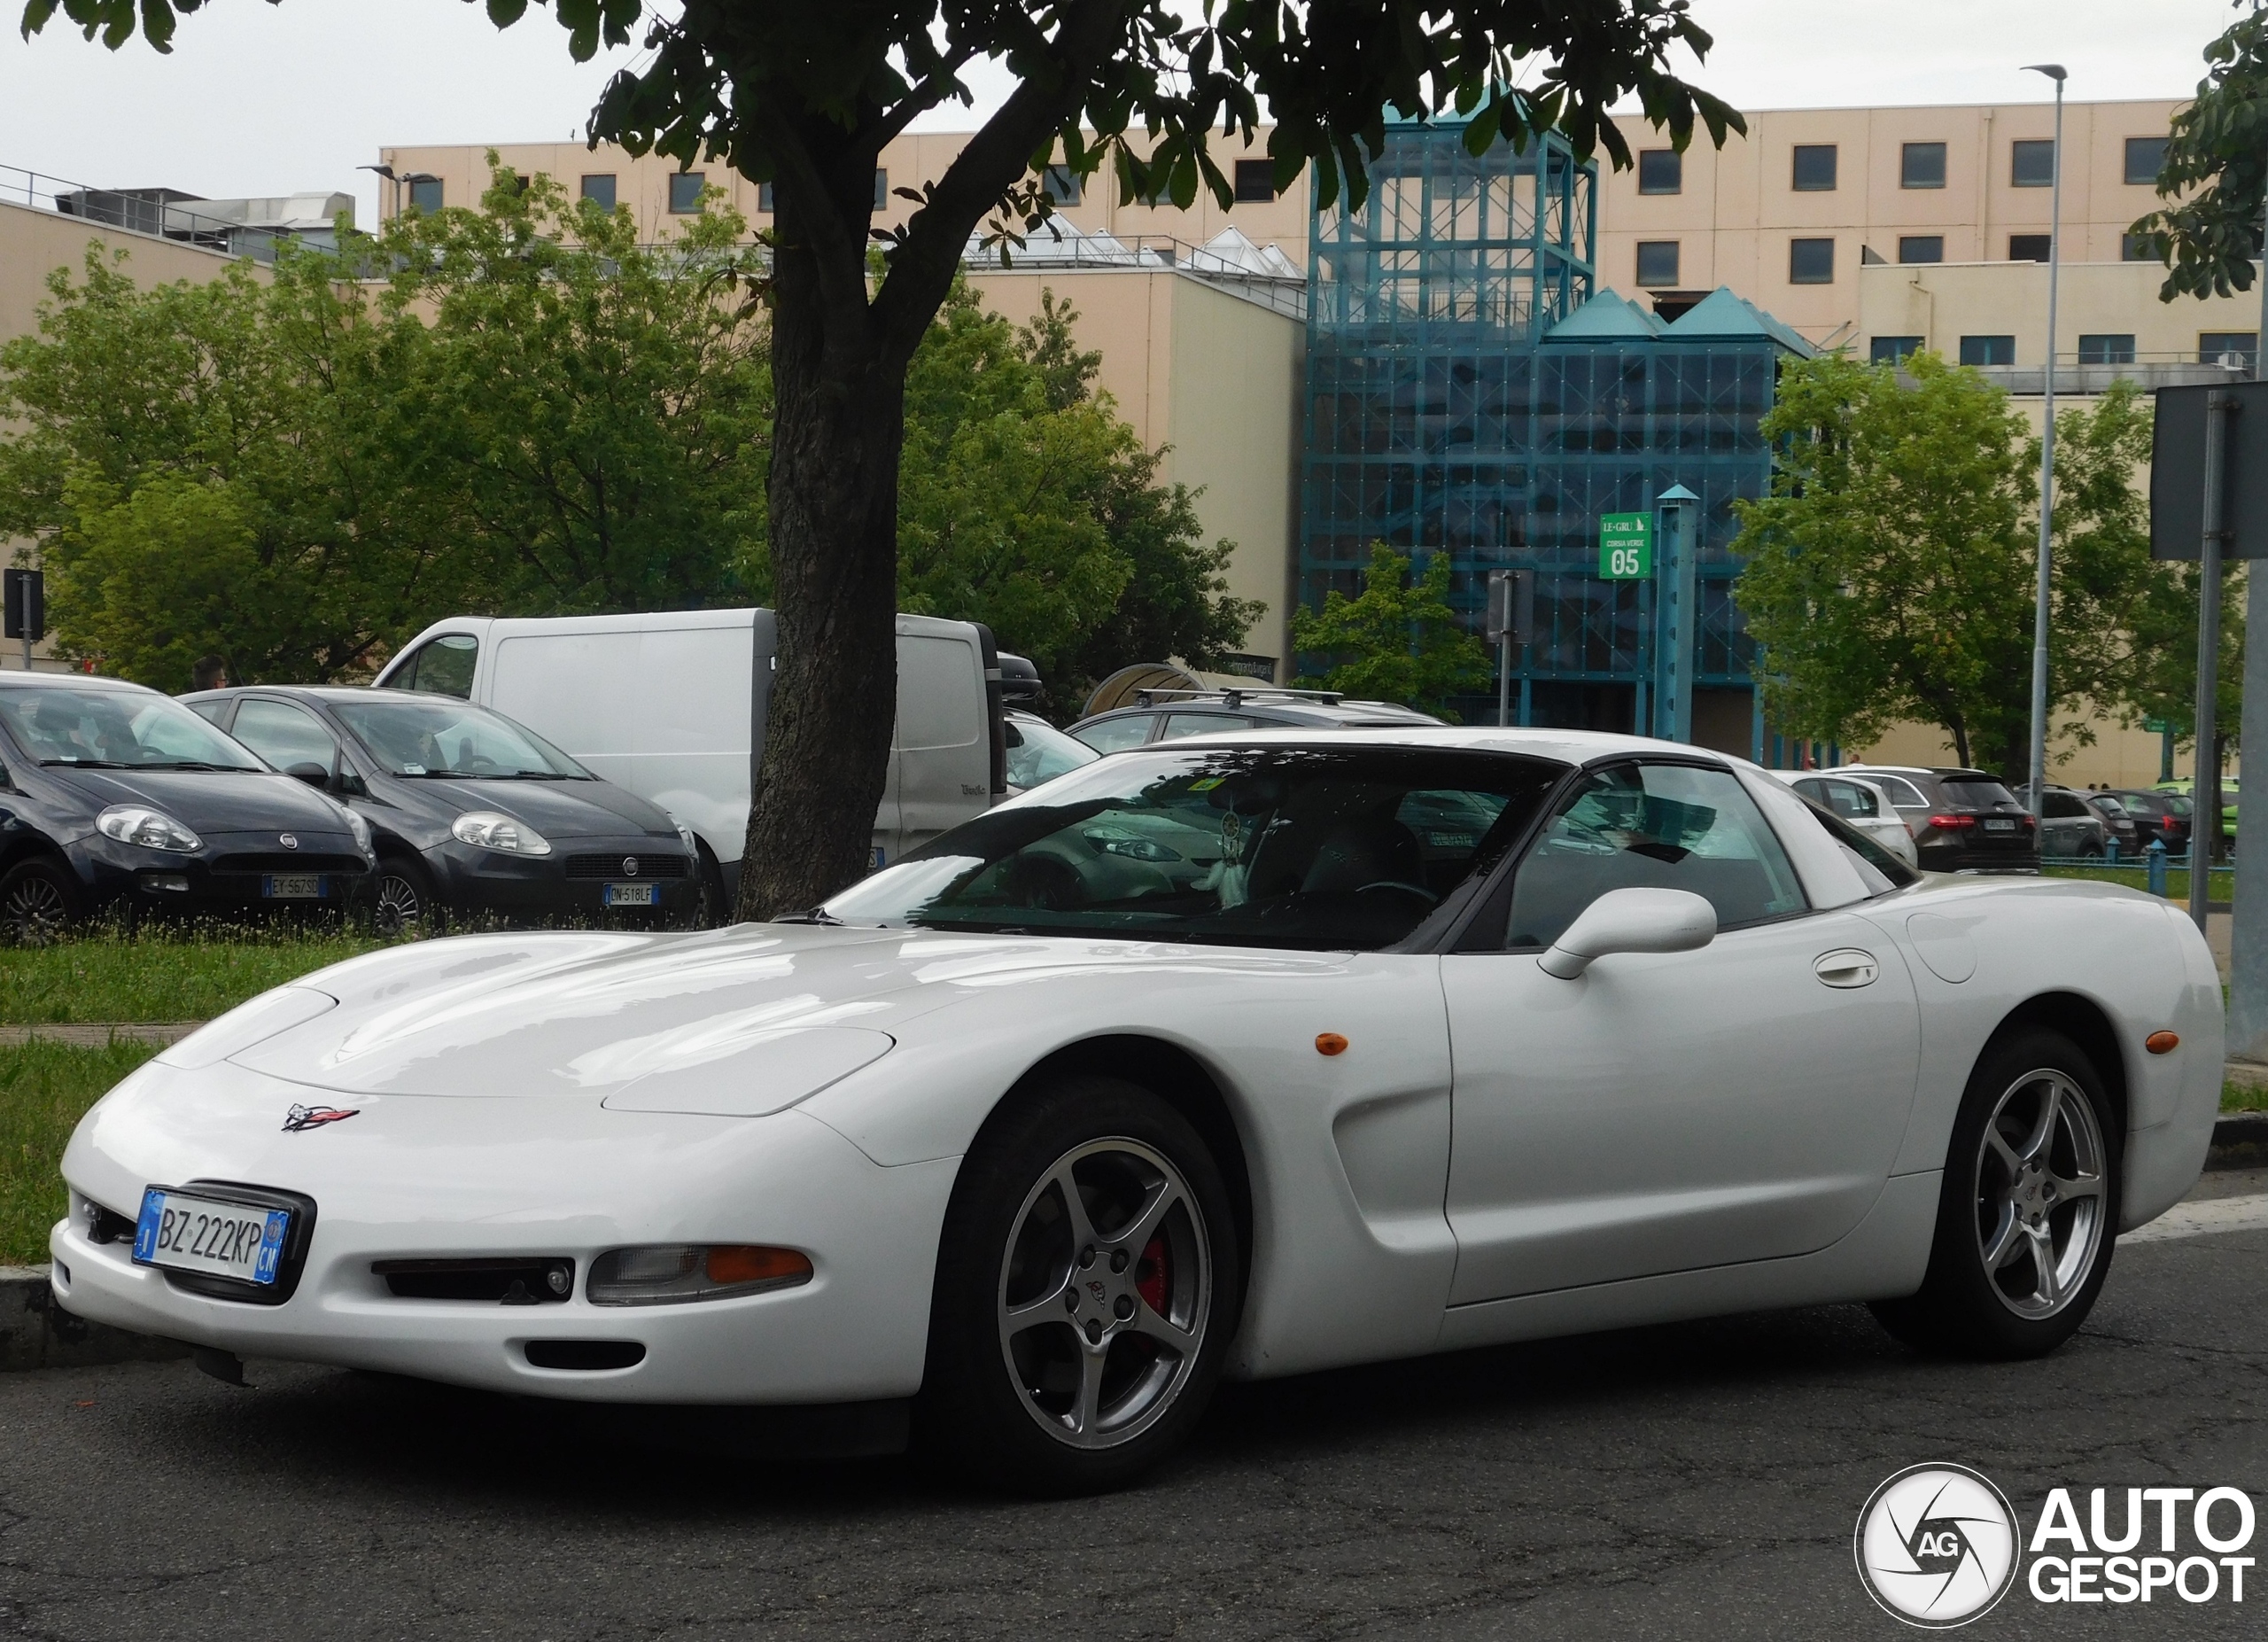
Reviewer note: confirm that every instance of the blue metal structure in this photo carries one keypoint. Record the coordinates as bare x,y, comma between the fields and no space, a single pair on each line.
1469,391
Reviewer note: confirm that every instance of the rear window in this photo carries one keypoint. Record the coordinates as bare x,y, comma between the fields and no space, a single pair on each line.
1901,792
1979,792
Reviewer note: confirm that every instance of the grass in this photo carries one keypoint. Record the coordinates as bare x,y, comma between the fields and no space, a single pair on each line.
44,1090
185,974
2176,878
2244,1097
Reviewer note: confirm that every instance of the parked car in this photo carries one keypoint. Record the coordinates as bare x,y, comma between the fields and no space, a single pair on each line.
1037,751
1860,802
468,812
2071,828
2113,814
1169,714
1962,821
2161,816
114,796
1459,1036
672,704
2188,788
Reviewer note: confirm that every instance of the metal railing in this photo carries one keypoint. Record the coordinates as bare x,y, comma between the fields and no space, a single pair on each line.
153,213
1284,289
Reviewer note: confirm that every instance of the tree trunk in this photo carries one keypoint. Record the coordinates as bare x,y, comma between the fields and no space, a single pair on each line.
839,421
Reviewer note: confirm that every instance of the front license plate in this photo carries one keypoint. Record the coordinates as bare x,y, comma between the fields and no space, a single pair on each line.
293,886
184,1233
630,895
1999,826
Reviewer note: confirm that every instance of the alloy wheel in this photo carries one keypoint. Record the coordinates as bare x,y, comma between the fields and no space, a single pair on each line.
400,908
2039,1194
35,911
1104,1293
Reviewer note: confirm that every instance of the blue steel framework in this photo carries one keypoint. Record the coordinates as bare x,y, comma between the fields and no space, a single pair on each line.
1439,419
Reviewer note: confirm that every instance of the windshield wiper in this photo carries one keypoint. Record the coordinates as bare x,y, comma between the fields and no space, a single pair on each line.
195,764
89,764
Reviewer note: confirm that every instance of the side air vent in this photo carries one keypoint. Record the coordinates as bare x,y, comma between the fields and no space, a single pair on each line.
506,1280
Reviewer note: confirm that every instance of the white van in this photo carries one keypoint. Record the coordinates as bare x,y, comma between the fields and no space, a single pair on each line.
672,704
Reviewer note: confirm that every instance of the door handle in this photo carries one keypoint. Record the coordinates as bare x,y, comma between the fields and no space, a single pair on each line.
1845,967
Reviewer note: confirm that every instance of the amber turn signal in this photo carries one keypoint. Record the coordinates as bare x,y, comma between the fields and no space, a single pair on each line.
1330,1043
2162,1043
739,1262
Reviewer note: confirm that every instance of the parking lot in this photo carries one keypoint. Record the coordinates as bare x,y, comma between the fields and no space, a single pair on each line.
1700,1479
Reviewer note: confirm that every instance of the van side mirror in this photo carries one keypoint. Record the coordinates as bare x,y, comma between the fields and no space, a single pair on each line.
1633,920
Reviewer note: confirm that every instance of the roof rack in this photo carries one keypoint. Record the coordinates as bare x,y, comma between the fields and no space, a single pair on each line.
1232,696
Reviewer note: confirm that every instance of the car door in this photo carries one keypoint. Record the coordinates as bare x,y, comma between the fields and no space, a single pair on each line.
1669,1111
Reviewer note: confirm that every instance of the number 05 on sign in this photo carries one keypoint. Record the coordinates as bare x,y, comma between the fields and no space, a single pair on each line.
1625,546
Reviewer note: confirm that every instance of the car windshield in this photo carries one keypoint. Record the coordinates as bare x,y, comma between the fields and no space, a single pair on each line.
1300,847
1980,792
454,738
128,729
1037,751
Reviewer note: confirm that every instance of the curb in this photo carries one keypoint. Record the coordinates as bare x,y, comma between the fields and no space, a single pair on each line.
98,1034
36,1333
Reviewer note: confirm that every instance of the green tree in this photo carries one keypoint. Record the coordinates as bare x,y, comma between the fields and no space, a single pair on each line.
1399,640
1891,572
806,97
2215,176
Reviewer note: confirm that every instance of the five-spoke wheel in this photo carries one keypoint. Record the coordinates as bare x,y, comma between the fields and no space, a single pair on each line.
2039,1192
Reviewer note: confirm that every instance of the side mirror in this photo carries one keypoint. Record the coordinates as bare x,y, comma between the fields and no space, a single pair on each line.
1631,921
314,774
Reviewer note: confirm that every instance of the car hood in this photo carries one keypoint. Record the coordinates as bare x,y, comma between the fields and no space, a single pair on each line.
209,801
557,809
775,1011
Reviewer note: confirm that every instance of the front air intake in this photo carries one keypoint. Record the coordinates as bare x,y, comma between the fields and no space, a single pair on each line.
585,1354
523,1280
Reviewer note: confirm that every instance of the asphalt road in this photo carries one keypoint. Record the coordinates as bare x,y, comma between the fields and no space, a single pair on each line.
1697,1480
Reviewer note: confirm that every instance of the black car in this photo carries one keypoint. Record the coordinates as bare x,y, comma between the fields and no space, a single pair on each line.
2159,817
1169,714
115,797
472,812
1962,821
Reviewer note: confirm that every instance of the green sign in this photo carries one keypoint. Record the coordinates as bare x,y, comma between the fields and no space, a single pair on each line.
1625,546
2155,727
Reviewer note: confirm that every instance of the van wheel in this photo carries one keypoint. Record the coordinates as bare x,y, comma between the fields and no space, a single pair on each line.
2029,1211
405,903
39,902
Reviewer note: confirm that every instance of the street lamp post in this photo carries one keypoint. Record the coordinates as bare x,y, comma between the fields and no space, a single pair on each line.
409,179
2054,71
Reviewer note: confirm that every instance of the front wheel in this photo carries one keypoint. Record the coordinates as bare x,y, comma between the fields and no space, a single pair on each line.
39,902
2029,1211
405,902
1087,1282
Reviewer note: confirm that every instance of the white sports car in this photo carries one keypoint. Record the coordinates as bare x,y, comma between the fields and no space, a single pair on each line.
1250,1058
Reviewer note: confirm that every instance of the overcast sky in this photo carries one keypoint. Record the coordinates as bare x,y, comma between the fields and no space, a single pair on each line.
261,99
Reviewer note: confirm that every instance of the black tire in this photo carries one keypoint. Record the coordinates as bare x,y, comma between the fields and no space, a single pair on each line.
712,909
2034,1294
40,902
1004,1404
403,900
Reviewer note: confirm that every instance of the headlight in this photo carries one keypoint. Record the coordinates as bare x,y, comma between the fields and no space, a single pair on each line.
154,829
662,1273
360,829
491,831
685,836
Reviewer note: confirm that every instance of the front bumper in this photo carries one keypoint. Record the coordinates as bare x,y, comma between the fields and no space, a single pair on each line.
572,879
440,1176
229,876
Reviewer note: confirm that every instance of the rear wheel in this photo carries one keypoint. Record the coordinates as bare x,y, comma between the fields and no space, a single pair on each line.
2029,1211
1087,1282
39,902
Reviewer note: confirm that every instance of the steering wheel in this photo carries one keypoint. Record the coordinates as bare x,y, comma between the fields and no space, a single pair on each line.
476,764
1423,894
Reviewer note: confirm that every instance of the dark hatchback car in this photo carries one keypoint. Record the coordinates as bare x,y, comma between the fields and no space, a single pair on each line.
2158,817
114,797
471,813
1962,821
1168,715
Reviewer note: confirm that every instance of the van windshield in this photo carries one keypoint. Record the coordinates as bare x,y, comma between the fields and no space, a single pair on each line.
454,738
1315,848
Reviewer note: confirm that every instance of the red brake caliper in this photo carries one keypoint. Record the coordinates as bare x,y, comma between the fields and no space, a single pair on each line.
1152,1275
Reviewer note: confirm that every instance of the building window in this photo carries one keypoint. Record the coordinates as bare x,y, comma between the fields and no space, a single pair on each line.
2028,247
2138,248
882,188
2219,348
685,191
1814,168
1661,171
1811,262
2109,348
1988,350
1255,182
763,197
1891,350
2031,164
426,194
1921,247
2145,158
1657,262
599,189
1922,165
1062,185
